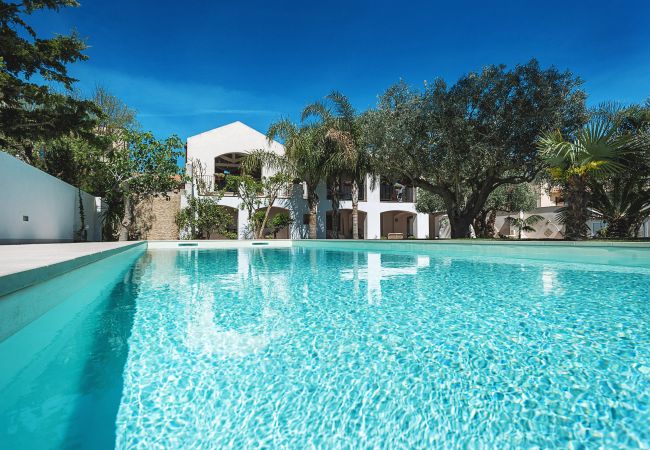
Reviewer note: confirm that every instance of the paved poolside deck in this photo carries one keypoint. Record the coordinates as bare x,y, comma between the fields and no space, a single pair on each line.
26,264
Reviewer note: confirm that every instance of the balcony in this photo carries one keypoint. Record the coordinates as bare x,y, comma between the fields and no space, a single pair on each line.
345,191
213,184
396,192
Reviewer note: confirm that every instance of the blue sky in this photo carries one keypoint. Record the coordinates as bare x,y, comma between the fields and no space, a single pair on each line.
187,67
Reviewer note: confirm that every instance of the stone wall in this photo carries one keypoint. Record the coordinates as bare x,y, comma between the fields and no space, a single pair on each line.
156,217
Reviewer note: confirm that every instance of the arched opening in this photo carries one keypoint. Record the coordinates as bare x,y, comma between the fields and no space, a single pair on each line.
274,229
231,232
230,164
345,224
397,224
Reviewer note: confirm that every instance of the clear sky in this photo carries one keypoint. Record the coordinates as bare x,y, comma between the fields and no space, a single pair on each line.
189,66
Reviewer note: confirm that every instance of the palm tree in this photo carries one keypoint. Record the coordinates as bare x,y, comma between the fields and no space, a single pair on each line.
343,132
622,201
623,204
524,224
596,149
304,159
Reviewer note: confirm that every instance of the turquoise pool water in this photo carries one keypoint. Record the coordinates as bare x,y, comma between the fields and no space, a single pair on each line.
308,347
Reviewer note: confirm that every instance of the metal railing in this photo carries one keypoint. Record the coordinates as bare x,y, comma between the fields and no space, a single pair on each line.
211,184
345,192
392,193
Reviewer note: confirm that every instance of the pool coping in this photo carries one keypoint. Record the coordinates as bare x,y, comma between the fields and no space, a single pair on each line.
506,242
21,278
232,243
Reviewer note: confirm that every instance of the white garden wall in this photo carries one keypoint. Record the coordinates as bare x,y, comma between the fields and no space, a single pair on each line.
37,207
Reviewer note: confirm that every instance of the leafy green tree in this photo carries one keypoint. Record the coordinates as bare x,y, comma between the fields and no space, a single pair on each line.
306,155
622,199
203,218
506,198
464,141
30,112
348,156
272,186
142,167
594,151
250,193
280,221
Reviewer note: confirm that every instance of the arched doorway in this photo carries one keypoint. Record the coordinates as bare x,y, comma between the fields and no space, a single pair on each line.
345,224
230,164
269,230
398,222
231,232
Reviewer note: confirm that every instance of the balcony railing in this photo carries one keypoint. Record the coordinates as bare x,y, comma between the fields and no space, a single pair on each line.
345,192
393,193
211,184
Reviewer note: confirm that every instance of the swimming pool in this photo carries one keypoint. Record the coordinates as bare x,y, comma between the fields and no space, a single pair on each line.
322,346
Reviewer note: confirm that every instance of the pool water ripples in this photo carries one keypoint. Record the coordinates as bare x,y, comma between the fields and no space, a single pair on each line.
296,348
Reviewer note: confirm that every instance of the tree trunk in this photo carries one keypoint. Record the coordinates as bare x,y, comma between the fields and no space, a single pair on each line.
334,194
480,224
577,212
127,220
260,233
460,225
312,201
620,228
492,218
355,210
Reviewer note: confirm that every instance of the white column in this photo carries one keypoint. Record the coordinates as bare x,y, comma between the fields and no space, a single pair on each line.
373,223
373,218
242,223
422,226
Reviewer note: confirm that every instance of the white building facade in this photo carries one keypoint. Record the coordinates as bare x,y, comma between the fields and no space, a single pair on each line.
386,208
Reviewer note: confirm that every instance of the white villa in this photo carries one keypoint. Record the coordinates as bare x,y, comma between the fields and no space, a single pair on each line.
385,209
388,208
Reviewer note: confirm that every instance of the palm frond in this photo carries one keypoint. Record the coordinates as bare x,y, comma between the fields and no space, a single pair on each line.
318,110
283,129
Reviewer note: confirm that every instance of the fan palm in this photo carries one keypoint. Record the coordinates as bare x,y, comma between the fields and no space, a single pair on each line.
524,224
343,132
596,150
622,201
622,204
304,159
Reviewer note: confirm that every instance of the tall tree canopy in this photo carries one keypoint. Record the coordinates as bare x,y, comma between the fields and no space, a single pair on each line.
306,159
461,142
348,157
31,70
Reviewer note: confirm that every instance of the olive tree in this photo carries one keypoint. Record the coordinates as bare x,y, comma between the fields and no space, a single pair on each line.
462,142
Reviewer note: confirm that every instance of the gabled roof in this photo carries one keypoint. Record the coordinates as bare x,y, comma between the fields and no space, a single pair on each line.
235,137
234,127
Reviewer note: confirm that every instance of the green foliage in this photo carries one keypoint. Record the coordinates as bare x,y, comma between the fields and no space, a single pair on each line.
138,167
249,191
505,198
203,218
595,152
306,156
464,141
31,112
622,199
348,156
279,221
